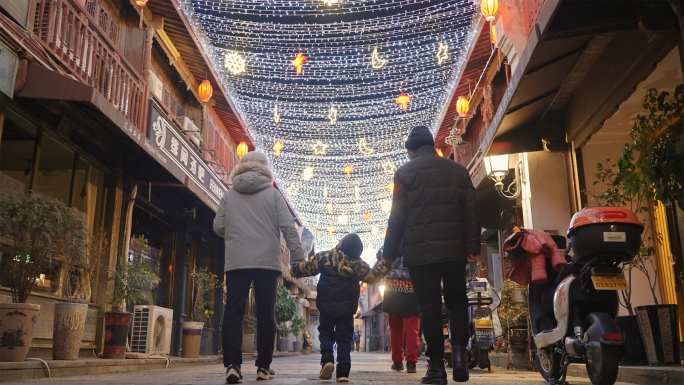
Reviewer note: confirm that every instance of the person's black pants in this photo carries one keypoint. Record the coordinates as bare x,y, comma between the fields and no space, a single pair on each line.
237,287
338,330
426,283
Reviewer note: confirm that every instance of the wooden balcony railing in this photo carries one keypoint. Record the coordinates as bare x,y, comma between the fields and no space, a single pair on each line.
64,31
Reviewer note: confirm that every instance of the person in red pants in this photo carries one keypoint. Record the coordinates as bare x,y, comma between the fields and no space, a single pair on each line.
401,305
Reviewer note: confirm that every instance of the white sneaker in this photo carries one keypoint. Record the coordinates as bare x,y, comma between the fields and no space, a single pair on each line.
326,371
264,374
342,379
233,375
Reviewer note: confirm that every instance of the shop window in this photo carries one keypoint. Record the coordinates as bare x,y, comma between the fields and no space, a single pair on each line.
54,169
16,154
88,193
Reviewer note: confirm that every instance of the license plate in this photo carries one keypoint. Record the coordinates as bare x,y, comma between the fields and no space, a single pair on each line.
609,283
483,324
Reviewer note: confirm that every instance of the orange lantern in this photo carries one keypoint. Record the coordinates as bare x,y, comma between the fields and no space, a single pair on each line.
348,170
390,187
489,9
277,147
439,152
242,149
462,106
141,3
403,99
205,91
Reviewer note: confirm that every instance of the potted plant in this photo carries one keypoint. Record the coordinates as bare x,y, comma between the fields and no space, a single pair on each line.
285,311
79,260
374,340
203,281
36,229
298,324
650,172
128,284
248,332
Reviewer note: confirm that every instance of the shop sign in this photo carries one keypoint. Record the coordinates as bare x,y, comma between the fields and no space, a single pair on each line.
181,152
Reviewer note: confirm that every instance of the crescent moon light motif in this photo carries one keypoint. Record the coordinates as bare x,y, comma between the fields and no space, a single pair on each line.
376,62
363,147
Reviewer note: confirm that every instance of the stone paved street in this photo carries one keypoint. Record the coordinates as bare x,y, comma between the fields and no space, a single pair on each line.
367,368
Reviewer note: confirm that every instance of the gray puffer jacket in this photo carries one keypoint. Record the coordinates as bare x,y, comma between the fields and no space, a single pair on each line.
250,218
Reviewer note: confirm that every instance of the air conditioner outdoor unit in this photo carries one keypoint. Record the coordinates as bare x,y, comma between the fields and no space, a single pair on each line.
191,130
151,330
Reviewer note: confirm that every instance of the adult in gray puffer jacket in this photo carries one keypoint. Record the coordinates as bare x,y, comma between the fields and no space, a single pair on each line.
250,218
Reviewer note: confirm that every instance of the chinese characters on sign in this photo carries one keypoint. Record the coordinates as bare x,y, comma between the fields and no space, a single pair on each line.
172,143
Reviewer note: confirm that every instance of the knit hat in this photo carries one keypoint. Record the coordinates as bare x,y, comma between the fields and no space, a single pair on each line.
351,245
254,156
418,137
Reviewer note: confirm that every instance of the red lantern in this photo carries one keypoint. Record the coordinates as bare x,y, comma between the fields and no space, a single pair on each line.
205,91
489,9
462,106
242,149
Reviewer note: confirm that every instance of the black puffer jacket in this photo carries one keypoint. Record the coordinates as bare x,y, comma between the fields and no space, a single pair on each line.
434,211
337,296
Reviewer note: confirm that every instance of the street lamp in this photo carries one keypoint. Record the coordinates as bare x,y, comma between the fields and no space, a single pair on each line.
497,169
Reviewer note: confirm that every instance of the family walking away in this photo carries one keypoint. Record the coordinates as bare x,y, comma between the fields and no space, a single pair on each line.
433,231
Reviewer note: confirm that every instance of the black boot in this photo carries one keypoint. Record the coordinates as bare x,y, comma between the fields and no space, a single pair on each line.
460,365
436,374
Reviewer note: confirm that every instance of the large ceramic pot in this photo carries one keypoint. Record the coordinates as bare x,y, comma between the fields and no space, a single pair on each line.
192,336
248,343
17,322
283,344
296,346
67,330
660,333
116,334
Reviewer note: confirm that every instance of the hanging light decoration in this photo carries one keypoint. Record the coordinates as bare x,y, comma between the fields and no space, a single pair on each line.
344,76
493,33
242,149
403,99
348,169
277,147
462,106
489,9
298,62
141,4
440,153
205,91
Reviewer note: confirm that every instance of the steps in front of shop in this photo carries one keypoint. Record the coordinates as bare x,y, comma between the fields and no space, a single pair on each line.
16,371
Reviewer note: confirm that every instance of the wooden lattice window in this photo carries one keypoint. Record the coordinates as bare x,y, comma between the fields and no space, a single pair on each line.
166,99
104,19
91,7
113,31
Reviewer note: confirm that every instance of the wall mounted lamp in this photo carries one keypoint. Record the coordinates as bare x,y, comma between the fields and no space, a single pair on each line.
497,169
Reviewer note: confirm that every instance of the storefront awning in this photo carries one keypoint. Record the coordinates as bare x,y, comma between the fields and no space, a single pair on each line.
580,62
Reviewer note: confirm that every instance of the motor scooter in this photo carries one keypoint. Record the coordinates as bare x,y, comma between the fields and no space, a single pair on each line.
572,315
481,303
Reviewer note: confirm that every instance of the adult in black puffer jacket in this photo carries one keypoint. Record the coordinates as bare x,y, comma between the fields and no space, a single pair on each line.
434,212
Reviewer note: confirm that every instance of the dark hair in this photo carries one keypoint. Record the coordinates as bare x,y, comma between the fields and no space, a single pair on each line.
351,245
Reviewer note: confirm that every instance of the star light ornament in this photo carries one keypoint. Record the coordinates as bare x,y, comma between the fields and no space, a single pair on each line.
319,148
235,63
388,167
332,116
442,53
376,62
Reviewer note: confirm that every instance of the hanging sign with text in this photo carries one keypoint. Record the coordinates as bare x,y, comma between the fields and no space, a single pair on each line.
174,144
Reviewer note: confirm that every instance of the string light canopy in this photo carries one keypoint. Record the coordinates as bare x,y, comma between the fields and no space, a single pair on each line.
341,130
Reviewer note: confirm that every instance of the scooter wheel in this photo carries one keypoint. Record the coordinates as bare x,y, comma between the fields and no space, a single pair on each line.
548,363
603,364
